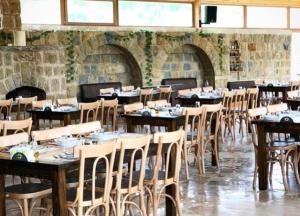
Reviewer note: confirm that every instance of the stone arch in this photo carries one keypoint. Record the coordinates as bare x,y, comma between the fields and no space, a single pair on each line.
90,49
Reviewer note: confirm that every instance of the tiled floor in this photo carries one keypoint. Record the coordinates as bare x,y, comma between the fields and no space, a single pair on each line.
228,192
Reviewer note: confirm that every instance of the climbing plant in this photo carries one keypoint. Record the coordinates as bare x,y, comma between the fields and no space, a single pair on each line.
149,57
221,51
71,59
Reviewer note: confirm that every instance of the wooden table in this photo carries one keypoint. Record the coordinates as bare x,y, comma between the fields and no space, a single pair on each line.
65,116
191,101
275,89
122,99
171,123
269,126
50,170
293,103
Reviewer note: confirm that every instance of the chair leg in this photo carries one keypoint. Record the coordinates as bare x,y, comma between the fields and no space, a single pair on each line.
177,200
282,166
295,163
142,203
185,151
25,207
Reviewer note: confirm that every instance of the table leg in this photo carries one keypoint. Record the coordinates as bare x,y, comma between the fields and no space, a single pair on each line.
36,121
129,125
67,119
2,195
59,193
262,155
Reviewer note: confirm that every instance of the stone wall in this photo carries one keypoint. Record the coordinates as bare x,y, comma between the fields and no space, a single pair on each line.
11,14
98,57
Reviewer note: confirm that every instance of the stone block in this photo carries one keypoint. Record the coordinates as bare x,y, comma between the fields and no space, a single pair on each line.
187,67
166,67
55,85
48,71
50,57
83,79
188,57
167,74
7,59
8,72
3,89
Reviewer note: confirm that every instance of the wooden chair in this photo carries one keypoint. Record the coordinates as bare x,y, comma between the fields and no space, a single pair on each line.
295,85
108,114
158,103
131,185
184,92
252,97
239,108
165,93
129,108
40,104
127,88
196,90
169,146
228,117
89,111
106,91
207,88
50,134
84,128
278,151
23,105
87,197
5,107
67,102
18,126
146,95
277,108
213,127
293,94
194,127
25,195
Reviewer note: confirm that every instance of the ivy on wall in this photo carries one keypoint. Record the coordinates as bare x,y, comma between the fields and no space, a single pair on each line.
71,59
221,52
149,58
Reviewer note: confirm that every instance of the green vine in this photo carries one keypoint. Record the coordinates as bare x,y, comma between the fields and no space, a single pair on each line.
38,37
221,51
70,48
149,57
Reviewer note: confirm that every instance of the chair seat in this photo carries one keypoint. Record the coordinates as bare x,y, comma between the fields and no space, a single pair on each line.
30,190
87,194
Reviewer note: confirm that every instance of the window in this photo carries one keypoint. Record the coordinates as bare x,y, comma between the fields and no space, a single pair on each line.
295,17
266,17
89,11
135,13
295,56
227,16
40,11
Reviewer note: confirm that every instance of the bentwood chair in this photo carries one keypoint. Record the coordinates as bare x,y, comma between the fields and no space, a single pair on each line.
166,169
18,126
108,114
106,91
87,198
23,105
25,195
5,107
194,127
84,128
40,104
184,92
284,152
130,108
89,111
239,108
127,88
158,103
165,93
213,128
67,101
50,134
146,95
228,116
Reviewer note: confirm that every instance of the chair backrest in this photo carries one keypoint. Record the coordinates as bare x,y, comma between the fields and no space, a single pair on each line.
103,154
239,100
129,108
293,94
14,139
5,106
295,85
84,128
196,90
277,108
134,148
106,90
194,125
146,95
157,103
88,111
50,134
207,88
184,92
17,126
252,114
108,113
24,104
128,88
41,103
252,97
213,117
165,93
173,142
67,101
228,101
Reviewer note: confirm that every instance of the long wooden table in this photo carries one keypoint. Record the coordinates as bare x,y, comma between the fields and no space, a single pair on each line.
269,126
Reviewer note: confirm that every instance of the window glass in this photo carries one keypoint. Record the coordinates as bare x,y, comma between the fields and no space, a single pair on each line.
227,16
134,13
295,17
40,11
90,11
266,17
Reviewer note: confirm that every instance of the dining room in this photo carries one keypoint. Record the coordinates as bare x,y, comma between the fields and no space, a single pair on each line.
149,107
